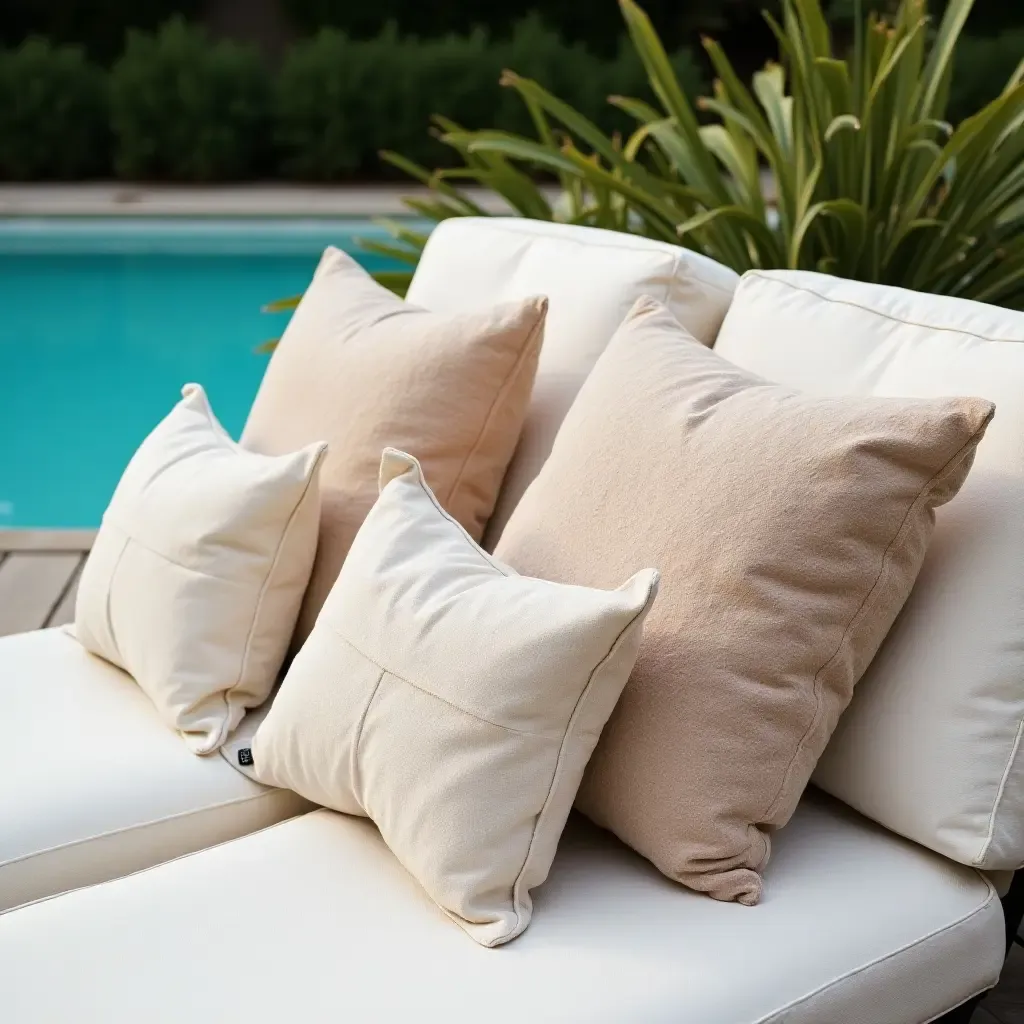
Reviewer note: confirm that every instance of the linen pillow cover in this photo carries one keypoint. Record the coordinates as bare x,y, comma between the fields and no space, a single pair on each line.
930,745
788,529
364,369
591,277
453,702
195,579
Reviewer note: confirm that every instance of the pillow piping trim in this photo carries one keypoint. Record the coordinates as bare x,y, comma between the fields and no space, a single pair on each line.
517,902
1010,763
517,905
530,347
925,493
414,465
877,312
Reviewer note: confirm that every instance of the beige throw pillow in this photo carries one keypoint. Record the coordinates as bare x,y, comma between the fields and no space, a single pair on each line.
788,530
365,369
453,702
195,579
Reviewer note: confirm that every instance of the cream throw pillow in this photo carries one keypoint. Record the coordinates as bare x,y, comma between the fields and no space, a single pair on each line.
453,702
195,579
789,531
364,370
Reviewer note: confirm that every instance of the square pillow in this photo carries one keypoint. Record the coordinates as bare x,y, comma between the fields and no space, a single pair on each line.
930,745
365,370
591,277
789,531
453,702
195,579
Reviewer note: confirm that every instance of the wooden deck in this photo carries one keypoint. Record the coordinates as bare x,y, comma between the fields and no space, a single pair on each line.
39,572
39,577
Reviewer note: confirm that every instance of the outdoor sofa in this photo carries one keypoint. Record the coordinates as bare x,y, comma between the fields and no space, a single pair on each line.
139,882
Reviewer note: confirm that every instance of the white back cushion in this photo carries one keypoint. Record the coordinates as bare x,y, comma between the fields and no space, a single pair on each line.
929,745
591,278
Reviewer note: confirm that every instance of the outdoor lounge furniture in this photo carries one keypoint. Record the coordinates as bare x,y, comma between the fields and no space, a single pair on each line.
96,785
308,916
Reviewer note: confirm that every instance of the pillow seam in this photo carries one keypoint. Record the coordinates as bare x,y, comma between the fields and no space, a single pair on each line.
952,463
430,693
527,349
108,614
560,760
355,774
226,694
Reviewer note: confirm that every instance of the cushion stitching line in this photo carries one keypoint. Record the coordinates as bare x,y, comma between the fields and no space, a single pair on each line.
952,463
139,826
999,793
881,959
354,773
311,476
878,312
165,863
528,348
559,761
429,693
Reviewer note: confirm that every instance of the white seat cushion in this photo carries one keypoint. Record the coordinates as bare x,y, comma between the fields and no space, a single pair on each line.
930,746
95,784
314,920
591,278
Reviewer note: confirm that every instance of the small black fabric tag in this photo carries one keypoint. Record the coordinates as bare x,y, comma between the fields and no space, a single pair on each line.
245,756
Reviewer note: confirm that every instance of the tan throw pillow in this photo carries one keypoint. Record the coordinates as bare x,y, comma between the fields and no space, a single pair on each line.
453,702
788,530
364,369
195,578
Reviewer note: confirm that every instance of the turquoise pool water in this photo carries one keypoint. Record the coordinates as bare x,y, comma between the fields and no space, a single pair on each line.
102,321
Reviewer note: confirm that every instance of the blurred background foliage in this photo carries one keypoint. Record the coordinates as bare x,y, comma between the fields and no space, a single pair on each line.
215,90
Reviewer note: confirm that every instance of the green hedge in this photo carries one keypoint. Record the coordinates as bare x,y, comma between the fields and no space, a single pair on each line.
99,27
597,24
186,108
179,106
340,100
53,113
982,67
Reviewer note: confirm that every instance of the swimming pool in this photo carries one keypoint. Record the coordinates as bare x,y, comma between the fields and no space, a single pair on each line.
103,320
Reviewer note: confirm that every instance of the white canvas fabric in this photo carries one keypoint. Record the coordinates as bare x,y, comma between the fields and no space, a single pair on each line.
452,701
930,745
314,921
591,278
194,581
95,785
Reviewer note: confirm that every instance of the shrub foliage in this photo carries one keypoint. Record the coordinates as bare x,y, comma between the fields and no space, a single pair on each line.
187,108
339,100
53,114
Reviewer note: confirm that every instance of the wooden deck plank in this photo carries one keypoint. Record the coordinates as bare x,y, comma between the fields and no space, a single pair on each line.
31,587
65,610
46,540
